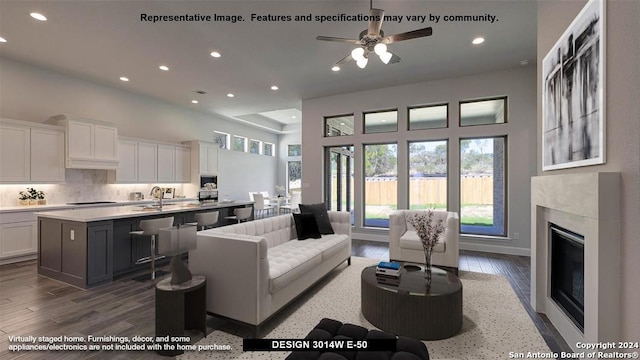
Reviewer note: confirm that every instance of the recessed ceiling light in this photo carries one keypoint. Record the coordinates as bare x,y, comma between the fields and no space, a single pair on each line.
38,16
274,87
163,67
477,41
230,95
124,78
524,62
2,39
194,101
215,54
383,120
293,116
335,68
342,124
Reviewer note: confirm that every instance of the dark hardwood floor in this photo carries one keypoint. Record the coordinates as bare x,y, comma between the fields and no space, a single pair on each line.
35,305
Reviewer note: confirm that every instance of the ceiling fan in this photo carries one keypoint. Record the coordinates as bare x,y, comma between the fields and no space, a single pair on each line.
373,40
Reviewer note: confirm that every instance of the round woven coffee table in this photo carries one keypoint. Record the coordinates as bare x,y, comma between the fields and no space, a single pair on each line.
407,307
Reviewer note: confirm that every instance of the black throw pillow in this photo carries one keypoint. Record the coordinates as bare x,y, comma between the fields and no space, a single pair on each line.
322,217
306,226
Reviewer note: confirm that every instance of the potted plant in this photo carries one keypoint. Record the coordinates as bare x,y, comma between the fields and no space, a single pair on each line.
33,196
41,199
24,198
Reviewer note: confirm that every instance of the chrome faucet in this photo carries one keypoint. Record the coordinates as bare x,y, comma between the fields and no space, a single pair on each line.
154,194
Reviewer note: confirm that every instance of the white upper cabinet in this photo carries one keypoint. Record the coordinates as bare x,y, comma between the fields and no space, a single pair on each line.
15,149
166,163
183,164
31,152
47,155
144,162
208,158
80,144
90,144
106,143
128,166
147,162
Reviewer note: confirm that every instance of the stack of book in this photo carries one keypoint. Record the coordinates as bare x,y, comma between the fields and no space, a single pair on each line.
388,273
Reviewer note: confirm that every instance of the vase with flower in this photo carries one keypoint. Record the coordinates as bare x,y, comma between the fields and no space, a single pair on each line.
429,231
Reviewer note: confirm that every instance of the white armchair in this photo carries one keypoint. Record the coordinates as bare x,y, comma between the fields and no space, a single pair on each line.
405,245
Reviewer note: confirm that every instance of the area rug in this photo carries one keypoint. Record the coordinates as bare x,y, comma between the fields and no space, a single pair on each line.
494,323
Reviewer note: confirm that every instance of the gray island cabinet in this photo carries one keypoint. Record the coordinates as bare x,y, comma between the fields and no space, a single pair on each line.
88,247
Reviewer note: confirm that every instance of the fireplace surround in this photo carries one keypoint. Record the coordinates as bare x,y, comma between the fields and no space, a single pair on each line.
587,204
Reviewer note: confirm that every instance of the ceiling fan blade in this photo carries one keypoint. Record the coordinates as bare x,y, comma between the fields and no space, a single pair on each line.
375,25
337,39
344,60
407,35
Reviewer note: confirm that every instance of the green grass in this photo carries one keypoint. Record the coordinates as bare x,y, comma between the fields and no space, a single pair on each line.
476,221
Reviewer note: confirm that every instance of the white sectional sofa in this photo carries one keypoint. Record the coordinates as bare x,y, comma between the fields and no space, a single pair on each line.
253,269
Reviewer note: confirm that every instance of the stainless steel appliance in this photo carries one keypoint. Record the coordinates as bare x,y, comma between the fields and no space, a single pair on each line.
208,180
207,195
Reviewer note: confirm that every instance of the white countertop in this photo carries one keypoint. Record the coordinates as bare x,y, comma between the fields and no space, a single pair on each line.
48,207
120,212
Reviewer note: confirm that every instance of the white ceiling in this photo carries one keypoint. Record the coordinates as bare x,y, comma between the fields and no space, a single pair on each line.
103,40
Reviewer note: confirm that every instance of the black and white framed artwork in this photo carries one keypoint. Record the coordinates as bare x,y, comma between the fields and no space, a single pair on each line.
573,129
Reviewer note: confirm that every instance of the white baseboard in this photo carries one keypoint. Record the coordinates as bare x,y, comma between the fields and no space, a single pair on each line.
498,249
18,259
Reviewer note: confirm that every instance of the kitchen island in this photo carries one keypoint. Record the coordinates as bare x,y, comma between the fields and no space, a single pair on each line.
88,247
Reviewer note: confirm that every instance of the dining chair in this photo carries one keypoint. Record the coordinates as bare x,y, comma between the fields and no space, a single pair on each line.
293,205
260,206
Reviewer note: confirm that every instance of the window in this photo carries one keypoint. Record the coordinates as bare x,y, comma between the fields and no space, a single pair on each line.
428,175
294,150
339,167
268,149
380,122
222,139
483,112
239,143
255,146
483,186
338,125
294,176
428,117
380,183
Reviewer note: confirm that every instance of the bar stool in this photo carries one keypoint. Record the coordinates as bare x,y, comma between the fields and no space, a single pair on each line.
205,219
241,214
152,228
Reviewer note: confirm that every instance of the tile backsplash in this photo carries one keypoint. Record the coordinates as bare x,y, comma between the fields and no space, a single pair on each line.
81,185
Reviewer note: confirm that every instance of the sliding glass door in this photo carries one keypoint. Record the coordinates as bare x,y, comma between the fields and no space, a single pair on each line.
339,178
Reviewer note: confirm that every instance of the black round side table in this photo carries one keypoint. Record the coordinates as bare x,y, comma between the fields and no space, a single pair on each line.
180,307
407,307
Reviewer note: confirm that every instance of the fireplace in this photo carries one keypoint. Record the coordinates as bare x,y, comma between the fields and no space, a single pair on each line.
567,272
587,204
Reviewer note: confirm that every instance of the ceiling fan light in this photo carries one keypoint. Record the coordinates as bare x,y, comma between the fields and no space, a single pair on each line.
380,49
357,54
386,57
362,63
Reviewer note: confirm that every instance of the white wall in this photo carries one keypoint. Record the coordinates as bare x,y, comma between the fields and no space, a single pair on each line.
239,173
32,93
622,117
518,84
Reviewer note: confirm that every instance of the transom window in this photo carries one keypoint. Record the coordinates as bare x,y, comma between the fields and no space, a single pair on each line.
483,112
381,122
239,143
428,117
341,125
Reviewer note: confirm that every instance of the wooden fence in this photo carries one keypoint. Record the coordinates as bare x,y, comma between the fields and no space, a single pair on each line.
476,190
